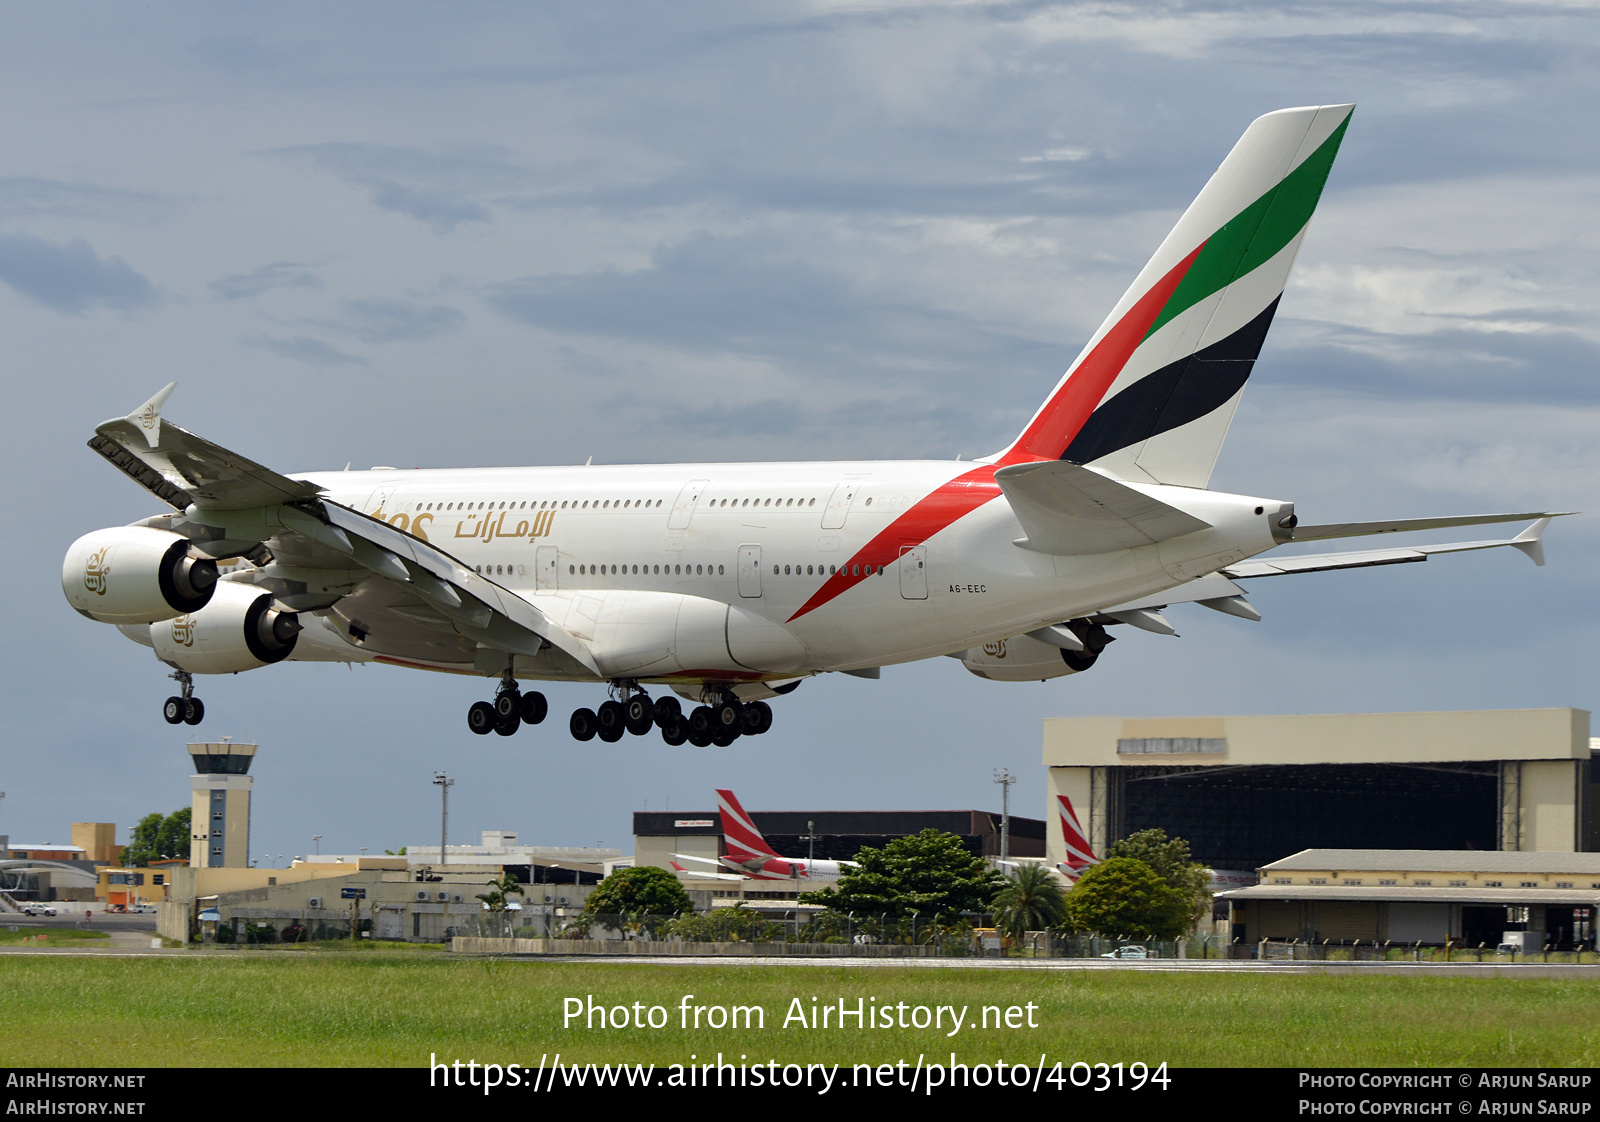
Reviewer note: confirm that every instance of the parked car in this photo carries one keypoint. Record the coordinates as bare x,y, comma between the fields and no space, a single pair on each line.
1127,952
145,909
37,910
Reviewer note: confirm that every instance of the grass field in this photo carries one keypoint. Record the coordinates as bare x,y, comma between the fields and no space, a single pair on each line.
52,935
396,1008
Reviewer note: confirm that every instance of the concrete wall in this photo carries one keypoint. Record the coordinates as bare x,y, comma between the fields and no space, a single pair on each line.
1340,738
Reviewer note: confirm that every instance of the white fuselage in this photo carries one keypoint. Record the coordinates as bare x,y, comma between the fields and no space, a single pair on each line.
779,542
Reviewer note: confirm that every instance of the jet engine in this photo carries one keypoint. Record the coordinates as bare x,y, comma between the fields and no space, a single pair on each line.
1026,659
133,574
242,628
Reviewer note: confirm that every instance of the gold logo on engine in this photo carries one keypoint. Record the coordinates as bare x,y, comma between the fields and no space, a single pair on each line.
95,572
997,649
183,631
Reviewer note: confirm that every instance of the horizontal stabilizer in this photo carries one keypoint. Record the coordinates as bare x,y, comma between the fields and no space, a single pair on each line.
1408,525
1068,509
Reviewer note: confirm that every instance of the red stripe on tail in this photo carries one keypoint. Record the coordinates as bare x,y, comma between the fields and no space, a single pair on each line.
737,828
1048,435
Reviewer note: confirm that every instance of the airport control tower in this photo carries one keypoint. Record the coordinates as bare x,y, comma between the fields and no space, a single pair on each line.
220,828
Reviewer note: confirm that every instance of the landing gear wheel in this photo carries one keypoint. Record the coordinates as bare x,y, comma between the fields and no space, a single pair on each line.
194,711
612,723
668,712
507,704
675,733
638,714
757,718
534,708
481,718
724,737
729,716
700,739
584,724
700,723
174,710
505,726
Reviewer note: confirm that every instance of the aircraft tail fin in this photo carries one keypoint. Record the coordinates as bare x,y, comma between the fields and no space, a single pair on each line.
738,830
1080,854
1152,395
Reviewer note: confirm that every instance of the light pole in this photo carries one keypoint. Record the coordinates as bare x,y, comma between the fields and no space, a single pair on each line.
1004,777
316,840
444,783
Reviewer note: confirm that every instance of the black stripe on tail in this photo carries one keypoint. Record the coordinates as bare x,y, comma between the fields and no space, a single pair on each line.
1174,395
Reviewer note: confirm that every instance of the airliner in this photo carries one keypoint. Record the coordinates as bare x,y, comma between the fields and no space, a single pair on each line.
750,856
728,585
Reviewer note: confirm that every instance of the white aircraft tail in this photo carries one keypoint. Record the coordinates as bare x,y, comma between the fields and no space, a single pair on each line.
739,832
1080,854
1152,395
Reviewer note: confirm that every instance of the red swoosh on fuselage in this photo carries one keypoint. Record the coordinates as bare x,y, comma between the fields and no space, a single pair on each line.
1045,438
933,513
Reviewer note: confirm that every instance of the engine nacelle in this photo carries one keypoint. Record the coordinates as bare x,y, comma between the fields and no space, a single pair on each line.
240,629
133,574
1025,659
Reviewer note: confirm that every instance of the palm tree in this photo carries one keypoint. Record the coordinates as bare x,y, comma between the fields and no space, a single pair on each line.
1031,900
495,899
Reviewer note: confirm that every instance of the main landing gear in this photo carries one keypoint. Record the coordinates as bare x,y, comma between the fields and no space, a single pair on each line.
509,711
185,709
719,723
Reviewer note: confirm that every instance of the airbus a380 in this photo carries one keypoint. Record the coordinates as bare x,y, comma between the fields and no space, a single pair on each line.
729,584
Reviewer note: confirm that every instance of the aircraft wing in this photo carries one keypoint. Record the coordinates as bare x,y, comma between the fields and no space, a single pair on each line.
181,468
1408,525
1068,509
1218,592
709,875
1530,542
232,505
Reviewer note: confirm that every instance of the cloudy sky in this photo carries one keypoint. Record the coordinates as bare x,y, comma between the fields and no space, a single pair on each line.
499,234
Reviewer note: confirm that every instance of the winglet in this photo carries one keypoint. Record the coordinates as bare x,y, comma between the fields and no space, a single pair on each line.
148,416
1531,541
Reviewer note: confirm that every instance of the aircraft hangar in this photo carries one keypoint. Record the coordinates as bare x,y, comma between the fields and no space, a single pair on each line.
1247,791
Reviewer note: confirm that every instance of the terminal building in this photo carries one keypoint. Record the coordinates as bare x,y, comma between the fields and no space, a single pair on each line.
1466,897
1248,791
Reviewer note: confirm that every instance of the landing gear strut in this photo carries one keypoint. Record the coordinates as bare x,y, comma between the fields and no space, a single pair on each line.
185,709
509,711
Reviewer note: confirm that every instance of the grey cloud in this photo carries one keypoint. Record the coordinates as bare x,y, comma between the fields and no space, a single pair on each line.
303,349
70,276
737,293
1454,363
26,196
279,274
392,321
442,188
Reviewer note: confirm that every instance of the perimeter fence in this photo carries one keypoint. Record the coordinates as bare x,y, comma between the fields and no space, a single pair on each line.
744,931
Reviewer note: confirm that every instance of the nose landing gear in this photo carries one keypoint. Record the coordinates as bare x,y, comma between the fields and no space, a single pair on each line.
185,709
509,711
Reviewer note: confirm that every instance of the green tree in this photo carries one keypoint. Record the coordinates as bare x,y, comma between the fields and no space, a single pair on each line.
1169,858
1030,900
159,837
1124,896
641,890
500,890
401,852
931,873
